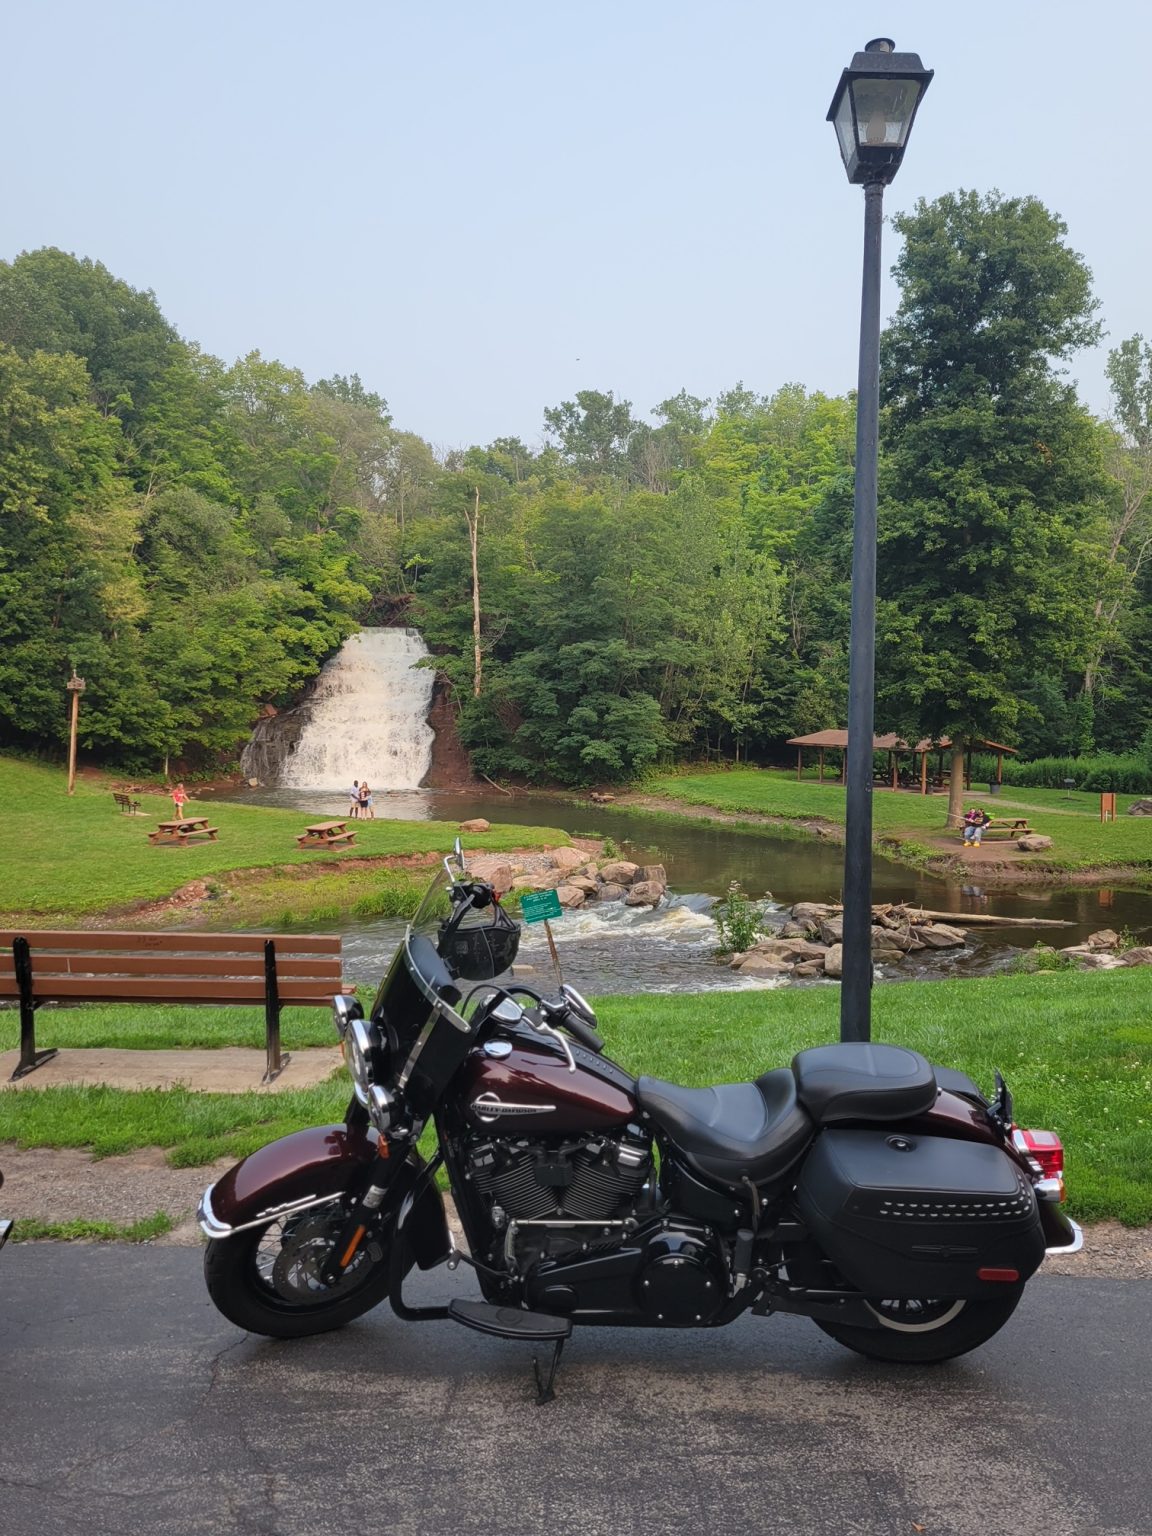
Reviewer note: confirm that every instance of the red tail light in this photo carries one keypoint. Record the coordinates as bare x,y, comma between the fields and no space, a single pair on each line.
1046,1150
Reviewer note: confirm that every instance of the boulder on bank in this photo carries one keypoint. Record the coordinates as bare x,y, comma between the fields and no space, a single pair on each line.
567,858
939,935
763,965
1141,955
619,872
645,893
569,896
1140,808
1035,842
610,891
655,872
834,961
811,912
1104,938
832,930
477,824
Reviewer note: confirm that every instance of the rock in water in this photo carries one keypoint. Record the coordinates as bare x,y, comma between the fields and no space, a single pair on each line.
619,872
646,893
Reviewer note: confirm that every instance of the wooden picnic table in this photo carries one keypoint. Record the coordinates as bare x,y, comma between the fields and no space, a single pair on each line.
183,830
1004,826
323,834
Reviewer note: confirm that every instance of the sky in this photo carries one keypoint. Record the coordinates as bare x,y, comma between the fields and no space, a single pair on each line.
484,206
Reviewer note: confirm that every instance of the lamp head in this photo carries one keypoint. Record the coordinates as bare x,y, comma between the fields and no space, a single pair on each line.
874,108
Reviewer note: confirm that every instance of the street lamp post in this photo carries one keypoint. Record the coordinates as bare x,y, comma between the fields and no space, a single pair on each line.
75,686
872,111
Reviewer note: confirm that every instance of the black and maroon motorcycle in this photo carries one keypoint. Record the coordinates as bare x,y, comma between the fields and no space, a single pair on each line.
886,1199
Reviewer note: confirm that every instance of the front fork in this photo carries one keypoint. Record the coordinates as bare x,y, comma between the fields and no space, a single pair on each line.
378,1178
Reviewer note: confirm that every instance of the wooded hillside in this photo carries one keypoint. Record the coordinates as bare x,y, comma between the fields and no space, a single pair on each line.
196,538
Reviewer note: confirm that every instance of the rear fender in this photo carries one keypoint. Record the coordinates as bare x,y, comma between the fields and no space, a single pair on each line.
314,1168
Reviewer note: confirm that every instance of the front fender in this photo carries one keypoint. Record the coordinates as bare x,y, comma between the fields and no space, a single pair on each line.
312,1168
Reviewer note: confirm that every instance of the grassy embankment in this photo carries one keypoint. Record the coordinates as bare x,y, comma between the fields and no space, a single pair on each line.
78,857
1075,1048
912,826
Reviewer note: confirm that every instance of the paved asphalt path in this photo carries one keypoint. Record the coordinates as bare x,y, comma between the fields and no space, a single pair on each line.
128,1406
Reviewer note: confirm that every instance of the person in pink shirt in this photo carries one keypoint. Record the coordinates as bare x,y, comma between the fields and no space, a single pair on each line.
179,801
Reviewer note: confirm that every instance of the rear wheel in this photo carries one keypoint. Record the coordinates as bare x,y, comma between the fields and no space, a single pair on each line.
268,1280
923,1331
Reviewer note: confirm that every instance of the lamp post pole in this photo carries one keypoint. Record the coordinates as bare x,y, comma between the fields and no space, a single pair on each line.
872,111
856,983
75,687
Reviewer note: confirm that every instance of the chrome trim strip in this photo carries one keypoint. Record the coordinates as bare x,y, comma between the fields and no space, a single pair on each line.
1072,1247
5,1231
213,1227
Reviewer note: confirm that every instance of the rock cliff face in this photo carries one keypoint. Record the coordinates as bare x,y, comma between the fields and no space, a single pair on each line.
450,767
274,737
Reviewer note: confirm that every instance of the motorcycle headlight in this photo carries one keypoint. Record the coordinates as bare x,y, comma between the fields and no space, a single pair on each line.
359,1044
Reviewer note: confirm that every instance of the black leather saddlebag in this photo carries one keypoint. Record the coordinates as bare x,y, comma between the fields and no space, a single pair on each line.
906,1216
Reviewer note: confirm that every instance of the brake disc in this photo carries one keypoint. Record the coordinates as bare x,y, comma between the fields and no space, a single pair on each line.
306,1249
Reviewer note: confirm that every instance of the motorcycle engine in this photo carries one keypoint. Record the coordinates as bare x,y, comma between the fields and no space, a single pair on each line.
589,1178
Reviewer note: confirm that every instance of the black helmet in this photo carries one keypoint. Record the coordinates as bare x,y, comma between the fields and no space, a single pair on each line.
478,940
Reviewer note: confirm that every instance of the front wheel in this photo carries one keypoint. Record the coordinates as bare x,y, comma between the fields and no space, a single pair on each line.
922,1332
268,1280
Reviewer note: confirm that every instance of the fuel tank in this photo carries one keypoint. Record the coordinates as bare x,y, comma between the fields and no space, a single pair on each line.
515,1087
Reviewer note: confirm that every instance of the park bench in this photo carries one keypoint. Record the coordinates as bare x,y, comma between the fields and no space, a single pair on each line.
225,969
188,829
323,834
123,803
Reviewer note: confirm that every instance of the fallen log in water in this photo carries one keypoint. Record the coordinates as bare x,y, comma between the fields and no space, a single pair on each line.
987,919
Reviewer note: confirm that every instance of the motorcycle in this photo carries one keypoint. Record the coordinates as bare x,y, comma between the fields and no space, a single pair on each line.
884,1198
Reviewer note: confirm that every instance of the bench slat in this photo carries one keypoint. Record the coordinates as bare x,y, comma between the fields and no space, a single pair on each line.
195,943
127,989
319,969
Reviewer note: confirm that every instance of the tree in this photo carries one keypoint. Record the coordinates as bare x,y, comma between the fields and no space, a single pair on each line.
991,472
593,432
1128,457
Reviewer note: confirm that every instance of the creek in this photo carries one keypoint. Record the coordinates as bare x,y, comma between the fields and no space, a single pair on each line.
627,949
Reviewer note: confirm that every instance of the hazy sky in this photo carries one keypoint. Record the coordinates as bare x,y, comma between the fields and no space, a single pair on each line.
483,207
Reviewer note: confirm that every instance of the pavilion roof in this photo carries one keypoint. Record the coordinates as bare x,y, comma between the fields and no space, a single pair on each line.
888,743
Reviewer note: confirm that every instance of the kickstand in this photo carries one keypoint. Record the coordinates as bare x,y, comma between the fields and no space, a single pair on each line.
545,1379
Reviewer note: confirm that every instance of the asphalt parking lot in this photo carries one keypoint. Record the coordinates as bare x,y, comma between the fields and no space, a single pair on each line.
128,1406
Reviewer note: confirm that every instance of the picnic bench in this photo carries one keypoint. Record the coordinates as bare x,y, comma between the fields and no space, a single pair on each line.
184,831
123,803
325,834
225,969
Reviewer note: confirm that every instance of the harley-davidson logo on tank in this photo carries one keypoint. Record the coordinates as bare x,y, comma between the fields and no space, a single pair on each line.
488,1108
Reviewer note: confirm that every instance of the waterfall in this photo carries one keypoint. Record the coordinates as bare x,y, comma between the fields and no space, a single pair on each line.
367,717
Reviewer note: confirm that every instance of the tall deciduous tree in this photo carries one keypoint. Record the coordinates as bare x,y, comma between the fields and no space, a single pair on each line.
991,470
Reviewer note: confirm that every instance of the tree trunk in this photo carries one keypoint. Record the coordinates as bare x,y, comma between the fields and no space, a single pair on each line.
473,536
956,784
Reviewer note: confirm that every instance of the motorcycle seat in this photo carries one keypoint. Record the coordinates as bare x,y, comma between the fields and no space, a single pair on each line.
735,1130
860,1081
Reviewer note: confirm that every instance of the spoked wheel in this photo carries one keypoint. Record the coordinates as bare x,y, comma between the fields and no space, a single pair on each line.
268,1280
922,1331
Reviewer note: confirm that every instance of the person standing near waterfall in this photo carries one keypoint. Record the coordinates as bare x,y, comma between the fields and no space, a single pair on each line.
366,802
354,799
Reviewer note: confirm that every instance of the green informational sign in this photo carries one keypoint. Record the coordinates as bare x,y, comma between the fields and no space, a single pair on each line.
538,905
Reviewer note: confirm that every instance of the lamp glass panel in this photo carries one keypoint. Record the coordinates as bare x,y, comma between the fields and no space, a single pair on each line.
845,125
883,108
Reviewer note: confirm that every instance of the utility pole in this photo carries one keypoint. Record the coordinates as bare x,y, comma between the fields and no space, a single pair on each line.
75,687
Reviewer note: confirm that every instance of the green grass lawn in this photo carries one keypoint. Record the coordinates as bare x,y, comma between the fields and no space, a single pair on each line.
71,855
1075,1048
1080,839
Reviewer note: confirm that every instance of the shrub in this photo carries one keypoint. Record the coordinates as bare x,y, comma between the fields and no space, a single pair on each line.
738,920
1128,773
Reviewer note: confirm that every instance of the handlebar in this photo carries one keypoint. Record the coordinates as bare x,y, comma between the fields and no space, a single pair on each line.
577,1028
